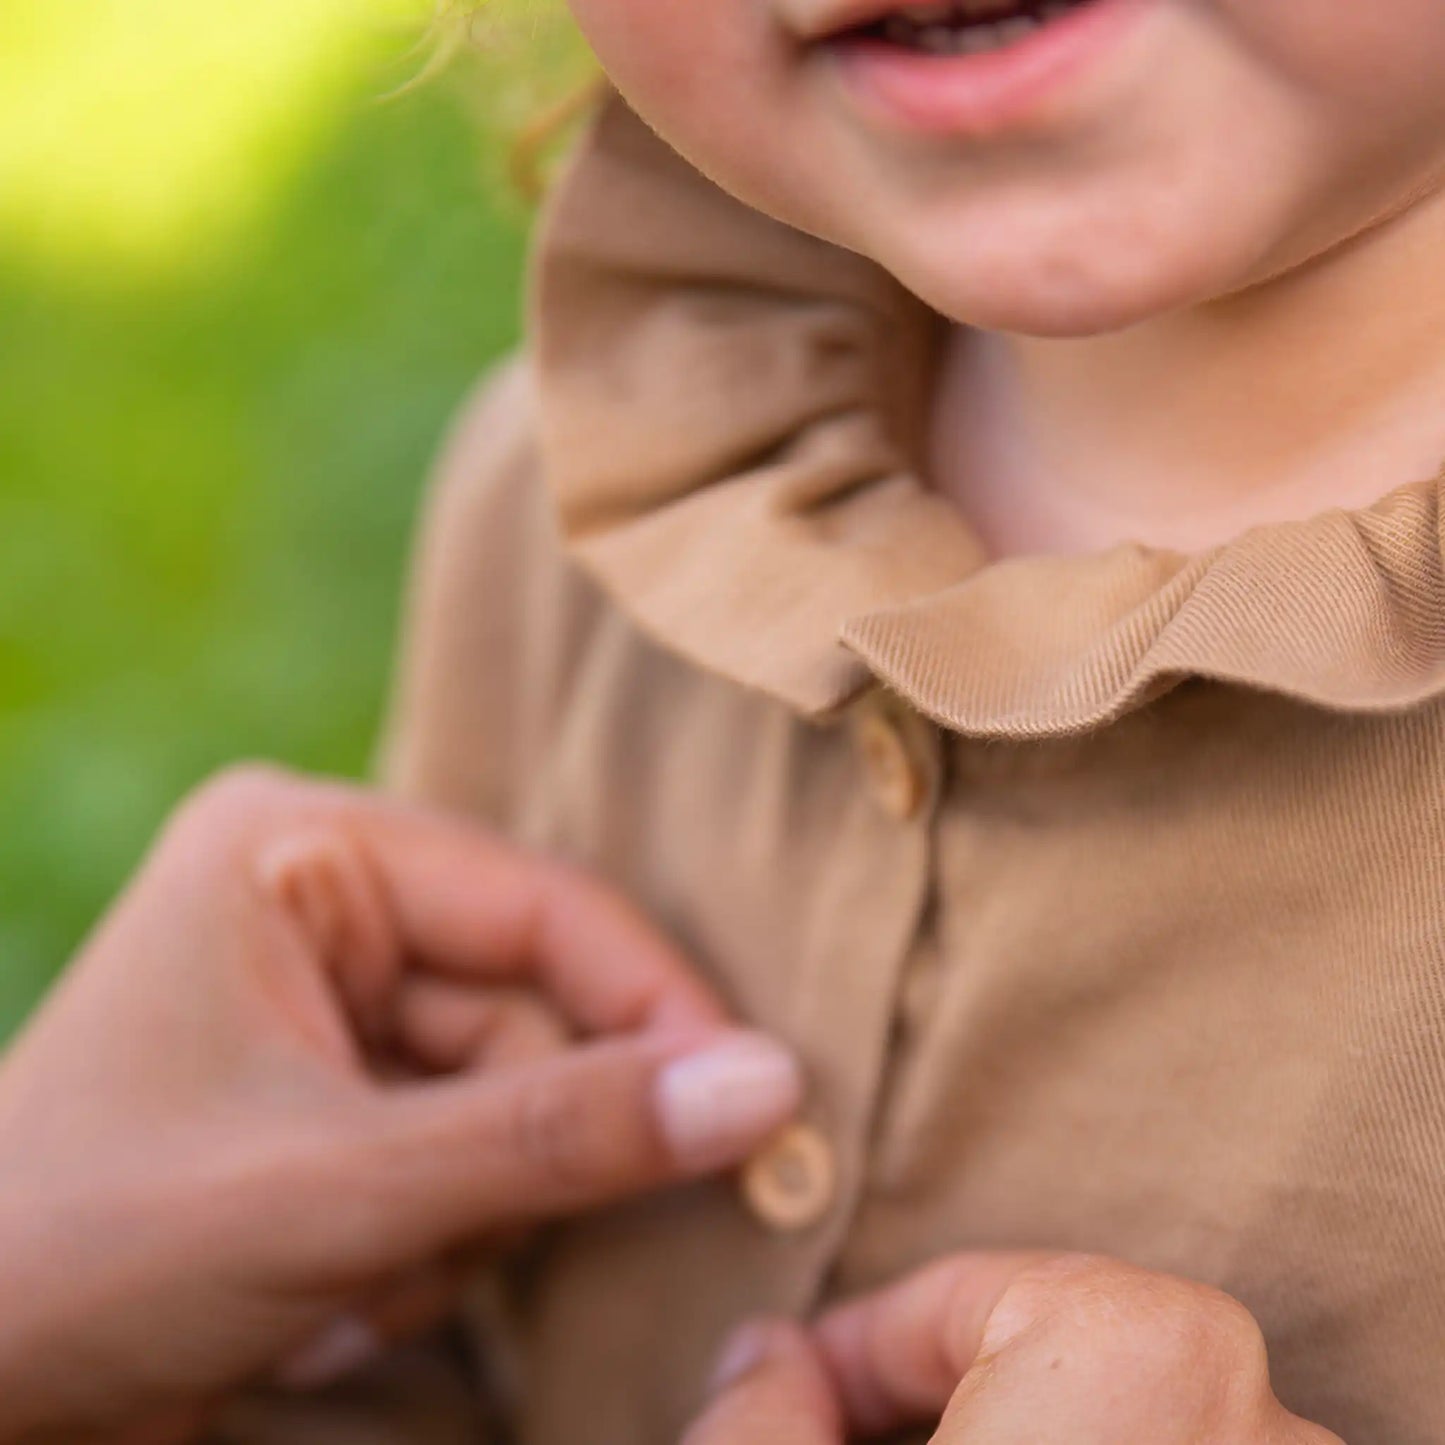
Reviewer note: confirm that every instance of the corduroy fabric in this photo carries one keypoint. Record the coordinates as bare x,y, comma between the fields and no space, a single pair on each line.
1158,967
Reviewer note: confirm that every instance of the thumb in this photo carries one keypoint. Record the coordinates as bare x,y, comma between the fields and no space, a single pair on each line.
600,1122
899,1354
771,1387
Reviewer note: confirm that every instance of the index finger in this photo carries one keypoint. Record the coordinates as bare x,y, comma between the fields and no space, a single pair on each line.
774,1390
466,904
898,1356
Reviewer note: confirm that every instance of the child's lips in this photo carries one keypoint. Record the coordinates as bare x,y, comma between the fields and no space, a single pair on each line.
970,93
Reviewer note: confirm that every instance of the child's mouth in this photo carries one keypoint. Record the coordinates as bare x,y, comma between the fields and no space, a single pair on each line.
973,67
967,27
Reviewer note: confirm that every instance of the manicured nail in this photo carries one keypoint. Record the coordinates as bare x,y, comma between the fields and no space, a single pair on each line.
714,1107
340,1349
745,1350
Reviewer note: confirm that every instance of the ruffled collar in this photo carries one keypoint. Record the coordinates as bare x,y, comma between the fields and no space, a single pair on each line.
732,424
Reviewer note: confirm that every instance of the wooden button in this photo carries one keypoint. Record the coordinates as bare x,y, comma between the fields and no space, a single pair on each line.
894,774
790,1185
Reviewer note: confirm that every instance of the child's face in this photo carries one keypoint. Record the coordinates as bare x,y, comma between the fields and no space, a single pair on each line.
1126,158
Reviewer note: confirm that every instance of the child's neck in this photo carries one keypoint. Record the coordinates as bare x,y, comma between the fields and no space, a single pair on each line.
1323,389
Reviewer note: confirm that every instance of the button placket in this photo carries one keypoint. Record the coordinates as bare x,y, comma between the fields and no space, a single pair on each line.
803,1188
794,1183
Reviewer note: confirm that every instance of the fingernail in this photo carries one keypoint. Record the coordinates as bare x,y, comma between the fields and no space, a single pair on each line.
340,1349
716,1105
747,1348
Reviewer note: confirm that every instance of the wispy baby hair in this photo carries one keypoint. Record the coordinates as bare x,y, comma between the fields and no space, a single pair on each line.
535,75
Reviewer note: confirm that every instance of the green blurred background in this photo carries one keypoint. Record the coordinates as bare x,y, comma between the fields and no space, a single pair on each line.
243,282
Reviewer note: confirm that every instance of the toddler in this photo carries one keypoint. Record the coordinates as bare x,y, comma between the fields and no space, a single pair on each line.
962,547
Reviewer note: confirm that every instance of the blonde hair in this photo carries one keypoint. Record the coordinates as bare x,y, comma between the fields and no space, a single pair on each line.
535,76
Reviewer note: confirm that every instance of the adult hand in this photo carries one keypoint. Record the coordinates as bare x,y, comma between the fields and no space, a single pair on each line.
1011,1349
283,1079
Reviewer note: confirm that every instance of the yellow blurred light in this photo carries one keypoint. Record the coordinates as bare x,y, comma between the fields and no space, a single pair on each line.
148,133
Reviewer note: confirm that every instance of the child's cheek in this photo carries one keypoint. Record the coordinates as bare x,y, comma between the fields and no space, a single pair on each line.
659,44
1354,52
684,64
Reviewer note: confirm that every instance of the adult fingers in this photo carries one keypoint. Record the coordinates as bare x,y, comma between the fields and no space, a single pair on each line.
463,903
455,1158
1072,1347
444,1027
898,1355
325,884
771,1387
401,1309
375,885
416,1301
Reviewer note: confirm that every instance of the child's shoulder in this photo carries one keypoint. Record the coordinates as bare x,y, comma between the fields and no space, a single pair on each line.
491,448
496,612
490,570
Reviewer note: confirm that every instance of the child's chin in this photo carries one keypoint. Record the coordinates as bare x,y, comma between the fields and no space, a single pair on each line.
1062,295
1032,304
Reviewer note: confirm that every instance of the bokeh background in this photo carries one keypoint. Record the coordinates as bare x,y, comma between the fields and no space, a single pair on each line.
252,253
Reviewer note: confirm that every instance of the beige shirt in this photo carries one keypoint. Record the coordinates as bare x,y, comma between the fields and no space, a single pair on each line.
1102,895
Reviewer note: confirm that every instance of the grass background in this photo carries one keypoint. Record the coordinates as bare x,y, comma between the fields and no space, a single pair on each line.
240,293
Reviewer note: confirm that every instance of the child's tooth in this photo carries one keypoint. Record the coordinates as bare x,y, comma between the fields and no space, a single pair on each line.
1010,32
963,27
936,39
978,38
